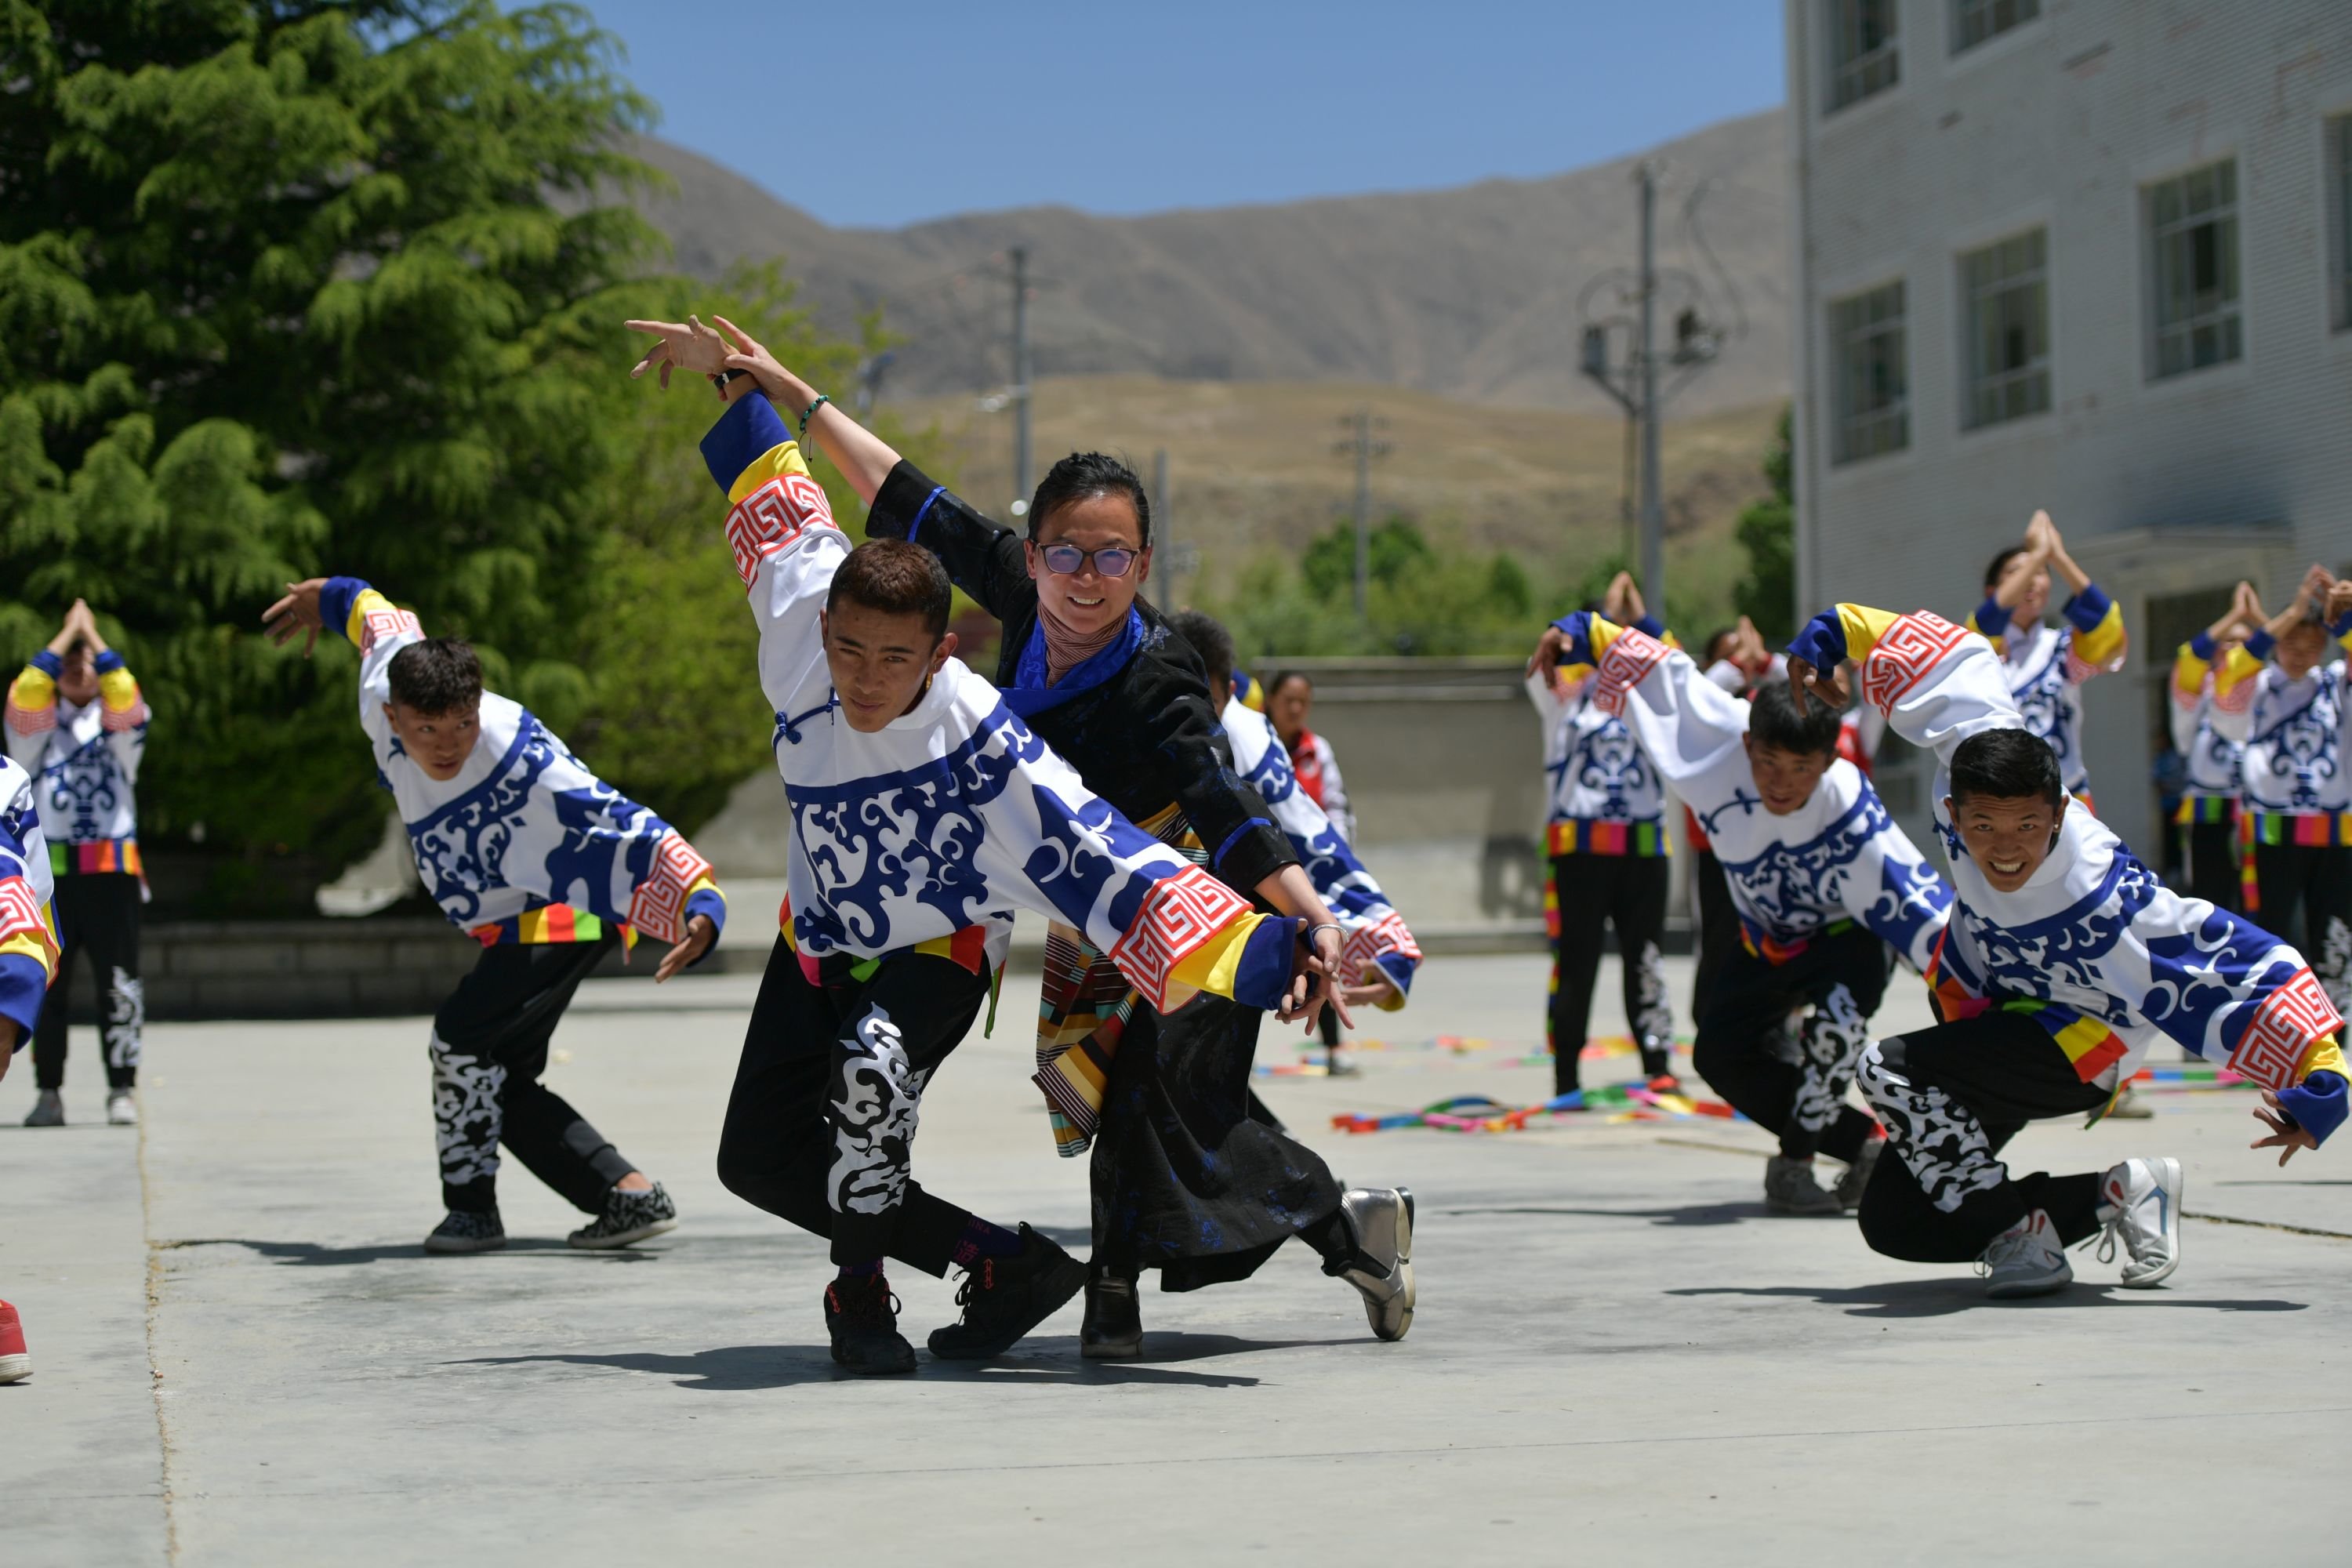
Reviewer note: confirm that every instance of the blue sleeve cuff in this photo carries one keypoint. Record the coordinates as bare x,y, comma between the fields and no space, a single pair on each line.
749,430
1577,628
2317,1105
23,984
2203,645
2261,645
1992,618
335,602
1651,626
708,901
2340,625
107,663
2089,607
1399,969
1822,643
1263,977
48,663
1235,837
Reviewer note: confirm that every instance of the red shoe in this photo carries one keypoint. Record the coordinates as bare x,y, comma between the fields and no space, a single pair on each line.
15,1363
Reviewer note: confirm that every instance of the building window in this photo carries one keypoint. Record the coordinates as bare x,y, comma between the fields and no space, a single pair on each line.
1862,56
1974,21
1874,407
2005,289
2339,168
2193,232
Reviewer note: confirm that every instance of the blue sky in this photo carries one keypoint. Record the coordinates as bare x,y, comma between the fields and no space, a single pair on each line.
888,111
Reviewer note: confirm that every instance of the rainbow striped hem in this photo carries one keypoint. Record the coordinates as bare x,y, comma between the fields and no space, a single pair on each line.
106,855
549,925
1577,836
1777,954
2307,831
2196,809
2089,1043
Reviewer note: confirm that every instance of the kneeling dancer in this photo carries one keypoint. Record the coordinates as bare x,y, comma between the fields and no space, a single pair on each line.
1154,1079
1821,879
924,809
2064,962
544,864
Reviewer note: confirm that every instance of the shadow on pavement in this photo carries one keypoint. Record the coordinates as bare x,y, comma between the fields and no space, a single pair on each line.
1941,1298
740,1369
311,1254
1686,1214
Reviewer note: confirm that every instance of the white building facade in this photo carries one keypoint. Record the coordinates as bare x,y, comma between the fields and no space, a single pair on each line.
2088,255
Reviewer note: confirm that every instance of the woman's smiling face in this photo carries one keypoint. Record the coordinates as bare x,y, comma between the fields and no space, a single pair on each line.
1086,601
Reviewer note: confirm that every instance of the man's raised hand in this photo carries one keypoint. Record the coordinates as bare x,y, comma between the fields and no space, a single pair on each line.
1545,661
2286,1136
685,345
297,612
1806,682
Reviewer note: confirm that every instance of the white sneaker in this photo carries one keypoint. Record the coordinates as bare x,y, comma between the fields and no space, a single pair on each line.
121,1111
2145,1196
2025,1260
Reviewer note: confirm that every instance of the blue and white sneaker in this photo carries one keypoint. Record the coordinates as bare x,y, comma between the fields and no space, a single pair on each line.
2139,1203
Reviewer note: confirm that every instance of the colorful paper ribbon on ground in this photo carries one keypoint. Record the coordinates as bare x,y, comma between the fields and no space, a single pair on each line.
1477,1113
1596,1050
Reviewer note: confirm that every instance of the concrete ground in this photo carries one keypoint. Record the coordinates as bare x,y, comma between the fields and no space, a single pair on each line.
242,1358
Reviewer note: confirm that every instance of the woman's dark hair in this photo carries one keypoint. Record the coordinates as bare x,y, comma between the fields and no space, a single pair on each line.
1773,720
2006,764
1210,640
2000,564
1716,649
1284,678
437,676
897,579
1084,474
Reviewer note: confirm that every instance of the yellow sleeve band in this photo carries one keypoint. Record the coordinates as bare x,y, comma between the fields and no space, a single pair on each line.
2188,673
33,689
701,883
2235,670
2104,644
783,459
2323,1055
1599,631
1863,627
38,946
367,603
1211,966
118,690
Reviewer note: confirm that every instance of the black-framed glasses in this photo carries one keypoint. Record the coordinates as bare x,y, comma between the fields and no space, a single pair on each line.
1111,559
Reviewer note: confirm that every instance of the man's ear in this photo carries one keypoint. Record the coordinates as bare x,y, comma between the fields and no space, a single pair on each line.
944,652
1748,743
823,626
1951,812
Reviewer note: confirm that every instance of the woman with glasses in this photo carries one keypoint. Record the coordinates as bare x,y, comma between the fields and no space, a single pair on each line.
1185,1179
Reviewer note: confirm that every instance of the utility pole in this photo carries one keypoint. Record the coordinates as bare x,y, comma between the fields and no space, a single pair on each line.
1654,512
1020,379
1361,444
1164,544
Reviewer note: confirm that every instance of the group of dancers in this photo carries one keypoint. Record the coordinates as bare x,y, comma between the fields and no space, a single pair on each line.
1116,778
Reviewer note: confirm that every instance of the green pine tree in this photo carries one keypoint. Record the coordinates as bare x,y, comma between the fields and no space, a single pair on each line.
1767,530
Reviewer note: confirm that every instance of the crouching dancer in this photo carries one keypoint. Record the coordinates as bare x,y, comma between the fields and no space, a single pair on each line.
1821,879
2065,960
28,960
544,864
924,810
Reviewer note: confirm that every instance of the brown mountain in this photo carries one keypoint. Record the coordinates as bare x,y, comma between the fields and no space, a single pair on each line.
1469,293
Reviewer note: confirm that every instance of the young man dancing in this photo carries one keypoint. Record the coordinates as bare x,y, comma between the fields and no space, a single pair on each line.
28,960
2065,960
77,723
1822,880
2296,799
1606,841
924,812
2045,667
544,864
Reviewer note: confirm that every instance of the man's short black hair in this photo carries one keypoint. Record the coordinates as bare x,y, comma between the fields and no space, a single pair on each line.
897,579
1210,640
1773,720
2006,764
437,676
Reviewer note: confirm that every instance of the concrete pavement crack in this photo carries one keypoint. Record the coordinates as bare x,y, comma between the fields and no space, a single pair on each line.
155,1372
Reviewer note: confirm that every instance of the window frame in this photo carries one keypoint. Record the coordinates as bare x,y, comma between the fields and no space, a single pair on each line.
1843,419
1965,300
1836,71
1956,11
2154,235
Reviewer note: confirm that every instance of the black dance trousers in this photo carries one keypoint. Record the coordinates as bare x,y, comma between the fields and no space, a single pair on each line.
1794,1086
2313,882
820,1129
1950,1097
1628,891
489,1047
2213,863
98,919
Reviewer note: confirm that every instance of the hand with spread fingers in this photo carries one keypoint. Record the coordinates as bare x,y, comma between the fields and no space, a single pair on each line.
297,612
2286,1136
1545,661
687,345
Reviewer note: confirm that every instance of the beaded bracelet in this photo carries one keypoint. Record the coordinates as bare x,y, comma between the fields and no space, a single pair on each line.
821,399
